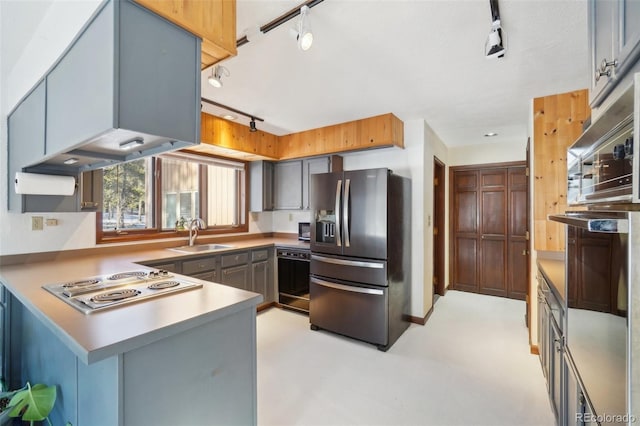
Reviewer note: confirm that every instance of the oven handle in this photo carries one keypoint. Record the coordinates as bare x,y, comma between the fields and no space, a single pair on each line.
349,288
608,225
344,262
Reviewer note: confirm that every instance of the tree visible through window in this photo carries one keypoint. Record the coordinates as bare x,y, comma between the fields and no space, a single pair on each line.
126,196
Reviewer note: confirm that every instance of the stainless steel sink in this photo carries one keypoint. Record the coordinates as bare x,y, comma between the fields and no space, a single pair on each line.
199,248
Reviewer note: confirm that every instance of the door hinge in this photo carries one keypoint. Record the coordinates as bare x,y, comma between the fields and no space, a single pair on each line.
435,181
526,235
526,171
435,280
435,230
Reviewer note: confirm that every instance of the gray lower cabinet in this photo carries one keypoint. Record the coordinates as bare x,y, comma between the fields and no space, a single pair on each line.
263,273
614,40
236,276
247,270
202,375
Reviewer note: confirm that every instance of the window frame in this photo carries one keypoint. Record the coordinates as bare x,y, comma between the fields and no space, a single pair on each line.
103,237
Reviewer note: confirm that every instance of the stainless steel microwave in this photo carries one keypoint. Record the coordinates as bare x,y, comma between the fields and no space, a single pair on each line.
602,165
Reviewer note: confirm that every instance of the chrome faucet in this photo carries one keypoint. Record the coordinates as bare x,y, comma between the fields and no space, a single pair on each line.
194,225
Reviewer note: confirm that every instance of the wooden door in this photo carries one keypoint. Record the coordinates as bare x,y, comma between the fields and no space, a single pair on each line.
489,230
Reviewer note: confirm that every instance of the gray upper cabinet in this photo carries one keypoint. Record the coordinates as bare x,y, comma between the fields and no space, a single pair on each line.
26,136
129,75
614,39
312,166
287,178
261,183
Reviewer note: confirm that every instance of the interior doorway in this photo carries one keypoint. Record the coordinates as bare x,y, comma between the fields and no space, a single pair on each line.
438,226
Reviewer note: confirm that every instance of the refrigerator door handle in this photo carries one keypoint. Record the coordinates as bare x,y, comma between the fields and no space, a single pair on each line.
345,211
349,288
344,262
337,210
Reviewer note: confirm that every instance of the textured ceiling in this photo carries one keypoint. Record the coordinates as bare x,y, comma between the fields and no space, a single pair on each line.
420,59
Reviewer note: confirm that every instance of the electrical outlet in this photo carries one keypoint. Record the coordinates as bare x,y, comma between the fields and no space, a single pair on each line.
37,223
51,222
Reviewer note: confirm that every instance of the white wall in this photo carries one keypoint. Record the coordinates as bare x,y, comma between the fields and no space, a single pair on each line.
487,153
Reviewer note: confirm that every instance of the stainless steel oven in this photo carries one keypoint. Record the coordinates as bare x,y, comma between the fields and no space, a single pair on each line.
603,165
601,252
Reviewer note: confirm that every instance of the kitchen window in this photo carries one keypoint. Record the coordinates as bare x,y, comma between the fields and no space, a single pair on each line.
157,197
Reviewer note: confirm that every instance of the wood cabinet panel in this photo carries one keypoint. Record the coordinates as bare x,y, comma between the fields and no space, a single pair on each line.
557,123
212,20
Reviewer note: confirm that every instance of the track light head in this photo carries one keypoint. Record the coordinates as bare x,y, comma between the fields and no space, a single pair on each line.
493,46
252,125
304,36
215,79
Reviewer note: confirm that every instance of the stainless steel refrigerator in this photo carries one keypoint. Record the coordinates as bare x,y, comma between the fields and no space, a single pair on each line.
360,254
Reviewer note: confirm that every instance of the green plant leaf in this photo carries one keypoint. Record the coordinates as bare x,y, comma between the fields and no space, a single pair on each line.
34,403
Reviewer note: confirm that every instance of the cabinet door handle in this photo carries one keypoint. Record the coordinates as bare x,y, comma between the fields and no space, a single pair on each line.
605,64
600,73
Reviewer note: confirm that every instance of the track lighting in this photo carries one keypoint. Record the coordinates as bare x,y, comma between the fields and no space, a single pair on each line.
252,125
494,47
215,79
303,33
253,118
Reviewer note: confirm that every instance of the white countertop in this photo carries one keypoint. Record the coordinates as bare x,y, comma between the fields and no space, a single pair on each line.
99,335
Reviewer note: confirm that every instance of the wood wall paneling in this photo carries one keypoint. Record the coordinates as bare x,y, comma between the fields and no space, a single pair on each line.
557,123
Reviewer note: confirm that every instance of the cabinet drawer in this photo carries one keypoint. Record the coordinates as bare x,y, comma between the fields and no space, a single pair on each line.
198,265
258,255
234,259
207,276
171,266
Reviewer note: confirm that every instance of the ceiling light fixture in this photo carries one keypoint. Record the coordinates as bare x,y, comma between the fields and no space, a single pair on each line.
70,161
303,33
490,134
131,144
253,118
229,117
215,79
493,47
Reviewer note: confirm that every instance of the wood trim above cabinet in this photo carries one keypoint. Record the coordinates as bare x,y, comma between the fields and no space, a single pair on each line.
375,132
223,137
212,20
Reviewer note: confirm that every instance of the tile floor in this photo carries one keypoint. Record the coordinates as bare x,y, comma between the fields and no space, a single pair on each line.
470,365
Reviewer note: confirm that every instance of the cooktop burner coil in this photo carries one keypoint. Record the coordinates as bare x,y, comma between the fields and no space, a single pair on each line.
115,295
163,284
131,274
81,283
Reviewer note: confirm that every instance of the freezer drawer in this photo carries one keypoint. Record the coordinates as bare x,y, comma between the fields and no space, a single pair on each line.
356,311
366,271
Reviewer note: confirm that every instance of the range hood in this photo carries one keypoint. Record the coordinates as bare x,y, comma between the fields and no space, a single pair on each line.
127,87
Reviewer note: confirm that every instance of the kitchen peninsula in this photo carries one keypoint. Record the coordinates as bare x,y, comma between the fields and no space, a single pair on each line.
183,358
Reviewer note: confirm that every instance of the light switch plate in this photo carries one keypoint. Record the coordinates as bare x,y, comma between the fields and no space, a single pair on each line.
37,223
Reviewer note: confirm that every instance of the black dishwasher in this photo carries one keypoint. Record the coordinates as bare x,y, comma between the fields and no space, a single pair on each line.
293,279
